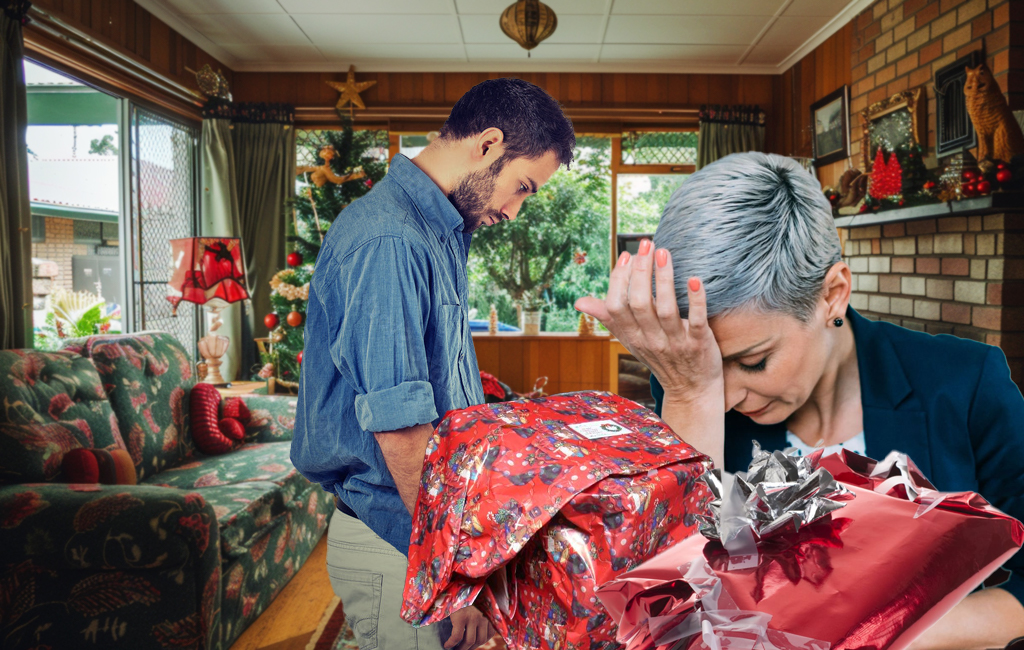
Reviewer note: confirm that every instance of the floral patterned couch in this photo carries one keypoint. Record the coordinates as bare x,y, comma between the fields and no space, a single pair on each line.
189,556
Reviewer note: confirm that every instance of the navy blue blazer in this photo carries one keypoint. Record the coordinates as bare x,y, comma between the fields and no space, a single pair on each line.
946,402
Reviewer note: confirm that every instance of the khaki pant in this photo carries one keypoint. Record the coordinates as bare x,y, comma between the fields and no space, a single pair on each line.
368,574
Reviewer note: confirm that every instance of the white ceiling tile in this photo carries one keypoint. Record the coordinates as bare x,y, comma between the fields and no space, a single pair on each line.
694,54
705,30
276,53
698,7
244,29
560,7
342,51
326,30
545,51
225,6
364,7
792,31
762,55
828,8
571,29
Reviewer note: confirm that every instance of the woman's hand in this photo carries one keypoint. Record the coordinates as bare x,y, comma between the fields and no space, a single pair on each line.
682,353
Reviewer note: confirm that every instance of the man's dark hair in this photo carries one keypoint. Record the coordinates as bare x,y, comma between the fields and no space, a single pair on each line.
531,120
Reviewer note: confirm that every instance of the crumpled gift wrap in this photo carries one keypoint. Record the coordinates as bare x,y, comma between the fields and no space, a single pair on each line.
874,573
526,507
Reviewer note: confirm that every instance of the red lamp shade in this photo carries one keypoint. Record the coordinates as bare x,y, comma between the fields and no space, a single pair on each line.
206,269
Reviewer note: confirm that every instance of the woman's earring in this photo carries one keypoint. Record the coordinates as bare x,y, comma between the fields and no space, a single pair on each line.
838,322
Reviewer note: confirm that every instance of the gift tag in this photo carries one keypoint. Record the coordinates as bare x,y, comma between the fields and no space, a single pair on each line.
599,429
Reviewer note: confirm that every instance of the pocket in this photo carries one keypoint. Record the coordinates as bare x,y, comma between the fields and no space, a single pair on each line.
360,593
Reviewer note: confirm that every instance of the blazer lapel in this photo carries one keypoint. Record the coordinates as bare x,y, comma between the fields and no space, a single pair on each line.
884,388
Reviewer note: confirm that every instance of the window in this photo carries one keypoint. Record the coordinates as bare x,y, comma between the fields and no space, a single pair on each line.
88,232
659,148
38,229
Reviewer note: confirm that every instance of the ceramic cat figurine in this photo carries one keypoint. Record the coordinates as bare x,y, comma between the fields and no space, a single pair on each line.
999,135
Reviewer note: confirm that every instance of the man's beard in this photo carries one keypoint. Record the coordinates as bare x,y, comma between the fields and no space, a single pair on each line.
472,196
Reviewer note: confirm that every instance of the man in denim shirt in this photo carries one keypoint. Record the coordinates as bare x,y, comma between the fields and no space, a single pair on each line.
387,343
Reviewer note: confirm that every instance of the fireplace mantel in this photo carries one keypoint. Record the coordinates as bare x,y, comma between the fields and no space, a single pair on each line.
996,202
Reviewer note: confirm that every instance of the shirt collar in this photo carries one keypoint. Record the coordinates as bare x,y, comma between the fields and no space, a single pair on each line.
428,198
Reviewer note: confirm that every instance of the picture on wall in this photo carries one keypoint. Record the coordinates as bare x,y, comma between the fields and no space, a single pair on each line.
831,127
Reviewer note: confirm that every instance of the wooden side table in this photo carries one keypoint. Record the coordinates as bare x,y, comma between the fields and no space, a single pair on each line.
240,388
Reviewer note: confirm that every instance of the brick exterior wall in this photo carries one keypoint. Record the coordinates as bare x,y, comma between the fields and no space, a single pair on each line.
59,247
900,44
952,275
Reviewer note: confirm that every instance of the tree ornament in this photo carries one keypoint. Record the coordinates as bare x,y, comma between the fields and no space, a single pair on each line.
277,335
580,256
322,174
350,90
267,371
271,321
298,357
294,259
294,319
1000,165
983,187
492,321
1004,176
970,175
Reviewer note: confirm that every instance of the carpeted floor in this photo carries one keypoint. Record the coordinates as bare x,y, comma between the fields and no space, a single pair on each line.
333,633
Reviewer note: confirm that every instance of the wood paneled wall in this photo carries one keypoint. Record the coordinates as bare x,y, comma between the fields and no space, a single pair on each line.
570,362
822,71
131,31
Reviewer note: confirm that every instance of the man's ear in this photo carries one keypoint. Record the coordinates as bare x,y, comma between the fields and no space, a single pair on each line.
489,145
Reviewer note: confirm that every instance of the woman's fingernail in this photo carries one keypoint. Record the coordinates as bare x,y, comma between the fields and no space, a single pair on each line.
624,258
645,246
661,257
694,284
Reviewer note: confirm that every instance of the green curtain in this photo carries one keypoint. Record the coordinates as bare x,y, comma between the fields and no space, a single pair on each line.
265,173
15,218
728,129
220,219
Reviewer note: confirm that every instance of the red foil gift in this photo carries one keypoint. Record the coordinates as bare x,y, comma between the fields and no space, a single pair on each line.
875,573
526,507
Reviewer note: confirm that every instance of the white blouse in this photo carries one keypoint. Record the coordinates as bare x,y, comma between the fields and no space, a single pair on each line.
855,444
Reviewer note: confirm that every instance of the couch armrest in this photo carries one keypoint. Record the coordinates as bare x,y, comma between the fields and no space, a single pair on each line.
105,527
273,417
142,553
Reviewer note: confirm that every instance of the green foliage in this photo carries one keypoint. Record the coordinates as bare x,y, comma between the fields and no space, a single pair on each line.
640,211
529,261
103,146
50,336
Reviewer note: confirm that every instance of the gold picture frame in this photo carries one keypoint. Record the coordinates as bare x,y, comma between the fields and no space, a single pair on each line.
913,101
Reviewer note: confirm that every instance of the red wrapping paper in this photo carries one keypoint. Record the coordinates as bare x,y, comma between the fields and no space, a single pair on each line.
525,515
883,567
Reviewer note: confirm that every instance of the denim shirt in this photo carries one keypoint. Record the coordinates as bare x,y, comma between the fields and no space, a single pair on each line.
387,341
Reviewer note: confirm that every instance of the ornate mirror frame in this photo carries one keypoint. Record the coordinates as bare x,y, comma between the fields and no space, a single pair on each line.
914,101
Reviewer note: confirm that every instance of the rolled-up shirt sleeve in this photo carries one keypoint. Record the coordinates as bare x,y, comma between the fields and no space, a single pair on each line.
381,290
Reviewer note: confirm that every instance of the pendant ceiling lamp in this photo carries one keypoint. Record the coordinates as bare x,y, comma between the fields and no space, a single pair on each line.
528,22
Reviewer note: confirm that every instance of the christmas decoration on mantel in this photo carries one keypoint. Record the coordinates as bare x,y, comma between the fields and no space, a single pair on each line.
350,90
892,140
528,22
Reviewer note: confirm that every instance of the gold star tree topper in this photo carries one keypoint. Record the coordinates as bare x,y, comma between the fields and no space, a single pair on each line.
350,90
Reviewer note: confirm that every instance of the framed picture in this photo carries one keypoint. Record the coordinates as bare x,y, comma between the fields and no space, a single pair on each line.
830,116
899,121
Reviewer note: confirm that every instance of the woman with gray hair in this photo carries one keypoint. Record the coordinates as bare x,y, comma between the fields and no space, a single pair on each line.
751,337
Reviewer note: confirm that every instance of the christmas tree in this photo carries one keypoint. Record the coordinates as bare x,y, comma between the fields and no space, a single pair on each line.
347,165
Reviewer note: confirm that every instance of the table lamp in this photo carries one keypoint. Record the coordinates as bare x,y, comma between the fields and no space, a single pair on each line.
208,271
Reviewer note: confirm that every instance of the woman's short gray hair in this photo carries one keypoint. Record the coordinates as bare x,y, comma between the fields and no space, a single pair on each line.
757,230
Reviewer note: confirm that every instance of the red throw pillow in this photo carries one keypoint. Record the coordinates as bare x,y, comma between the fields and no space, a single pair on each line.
106,466
211,434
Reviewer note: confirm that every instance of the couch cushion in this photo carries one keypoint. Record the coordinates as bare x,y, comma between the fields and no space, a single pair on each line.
249,488
147,378
53,402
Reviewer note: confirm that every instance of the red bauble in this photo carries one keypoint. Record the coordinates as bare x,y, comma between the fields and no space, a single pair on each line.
929,185
984,187
1004,175
1001,166
969,175
298,357
968,189
271,321
294,319
294,259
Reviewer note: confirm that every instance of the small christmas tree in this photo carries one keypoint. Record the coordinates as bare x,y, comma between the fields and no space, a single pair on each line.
492,321
346,168
877,189
586,325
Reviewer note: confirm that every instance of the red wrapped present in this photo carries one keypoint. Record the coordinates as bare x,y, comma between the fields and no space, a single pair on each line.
526,507
886,560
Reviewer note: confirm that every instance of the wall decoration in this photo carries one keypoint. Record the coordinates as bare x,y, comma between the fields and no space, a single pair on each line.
954,130
831,134
897,122
350,90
